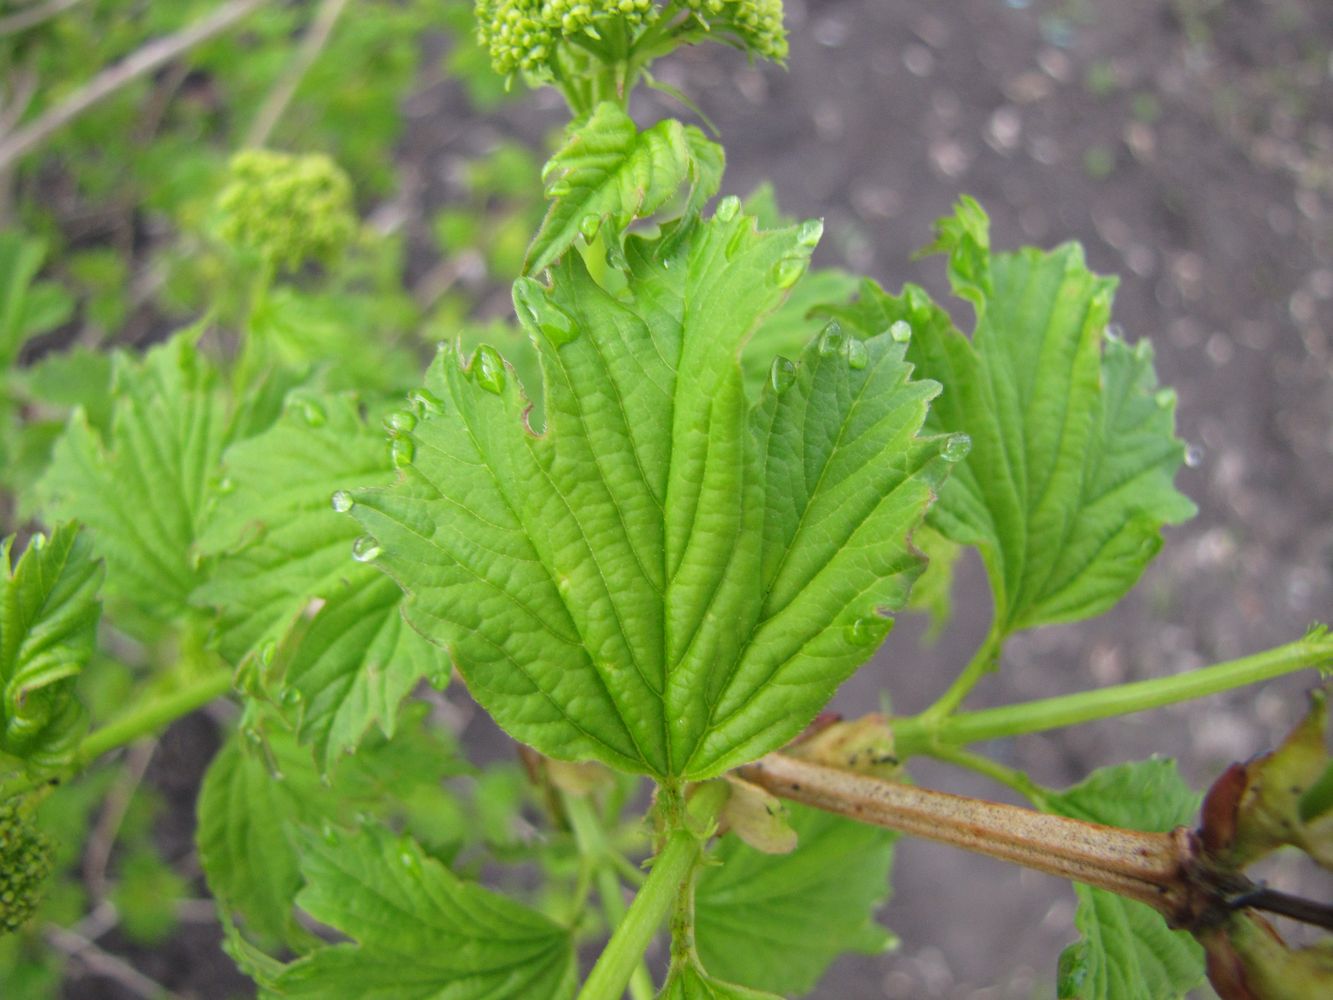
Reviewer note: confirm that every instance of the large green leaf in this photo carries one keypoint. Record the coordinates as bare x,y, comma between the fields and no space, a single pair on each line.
776,921
48,628
1127,949
143,492
421,933
1069,480
663,578
608,170
262,788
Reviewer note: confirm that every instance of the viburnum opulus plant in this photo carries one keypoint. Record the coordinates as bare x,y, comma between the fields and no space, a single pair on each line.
653,536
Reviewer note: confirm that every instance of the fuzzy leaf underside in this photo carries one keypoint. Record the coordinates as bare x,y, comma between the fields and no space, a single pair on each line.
1069,479
48,624
1127,948
664,579
143,493
610,171
421,933
777,921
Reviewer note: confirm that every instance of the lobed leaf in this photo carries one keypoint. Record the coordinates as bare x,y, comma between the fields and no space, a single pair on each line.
48,629
144,490
665,579
687,981
27,306
420,931
608,170
778,921
1069,480
1127,948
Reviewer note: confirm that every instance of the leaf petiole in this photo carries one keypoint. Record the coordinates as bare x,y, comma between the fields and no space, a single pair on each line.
920,733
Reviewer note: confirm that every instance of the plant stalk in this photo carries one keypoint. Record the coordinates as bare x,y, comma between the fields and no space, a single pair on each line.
916,735
153,716
1147,867
654,901
139,63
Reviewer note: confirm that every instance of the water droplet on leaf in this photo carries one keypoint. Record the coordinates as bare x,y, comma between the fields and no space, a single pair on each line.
781,374
857,355
831,339
38,542
400,422
809,233
226,485
1165,398
901,331
554,323
292,698
615,256
402,451
588,226
956,448
788,271
489,369
1193,456
342,501
1114,331
425,402
329,834
736,242
314,413
366,549
266,653
869,630
728,208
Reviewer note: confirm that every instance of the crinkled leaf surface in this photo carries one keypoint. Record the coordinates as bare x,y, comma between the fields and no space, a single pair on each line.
259,792
1127,949
689,982
1069,480
143,492
420,932
48,625
289,587
787,330
663,579
609,170
776,921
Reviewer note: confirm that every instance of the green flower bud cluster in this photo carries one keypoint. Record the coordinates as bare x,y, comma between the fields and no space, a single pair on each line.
25,863
757,23
286,208
523,34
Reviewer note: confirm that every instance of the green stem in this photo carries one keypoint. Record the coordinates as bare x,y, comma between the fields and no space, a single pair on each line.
601,856
631,938
983,662
153,716
1010,777
922,733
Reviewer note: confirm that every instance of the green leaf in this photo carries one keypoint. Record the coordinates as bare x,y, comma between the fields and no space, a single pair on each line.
278,540
664,579
262,788
27,307
786,330
933,591
420,931
1069,480
1127,948
610,171
687,981
777,921
143,492
48,628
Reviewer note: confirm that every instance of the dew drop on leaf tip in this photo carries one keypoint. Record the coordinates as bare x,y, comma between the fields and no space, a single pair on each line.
788,271
342,501
782,374
901,331
1165,398
588,226
1193,456
857,355
402,451
489,370
38,542
728,208
366,549
400,422
808,235
830,339
956,448
424,402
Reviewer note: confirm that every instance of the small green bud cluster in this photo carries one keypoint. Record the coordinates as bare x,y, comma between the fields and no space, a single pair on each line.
286,208
523,34
757,23
25,863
